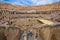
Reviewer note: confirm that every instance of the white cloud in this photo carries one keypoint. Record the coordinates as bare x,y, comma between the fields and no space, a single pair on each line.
31,2
1,0
35,2
41,2
17,3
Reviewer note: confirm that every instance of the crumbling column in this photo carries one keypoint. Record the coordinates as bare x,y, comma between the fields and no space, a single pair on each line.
45,33
13,34
25,35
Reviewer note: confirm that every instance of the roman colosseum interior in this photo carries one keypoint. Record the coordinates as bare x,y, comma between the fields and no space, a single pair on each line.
30,23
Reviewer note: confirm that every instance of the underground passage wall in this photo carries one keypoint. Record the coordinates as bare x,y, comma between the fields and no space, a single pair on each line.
25,20
45,33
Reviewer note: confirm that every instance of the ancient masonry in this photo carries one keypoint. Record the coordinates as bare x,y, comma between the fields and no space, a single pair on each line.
13,22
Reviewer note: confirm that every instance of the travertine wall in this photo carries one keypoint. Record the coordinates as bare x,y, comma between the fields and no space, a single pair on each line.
45,33
30,19
25,20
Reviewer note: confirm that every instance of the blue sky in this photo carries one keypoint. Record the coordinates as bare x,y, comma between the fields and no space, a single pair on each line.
30,2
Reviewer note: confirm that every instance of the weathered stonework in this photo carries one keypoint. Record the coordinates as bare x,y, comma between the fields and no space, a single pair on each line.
26,19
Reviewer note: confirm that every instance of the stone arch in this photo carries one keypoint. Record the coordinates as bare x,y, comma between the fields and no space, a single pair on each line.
12,33
2,35
21,34
30,35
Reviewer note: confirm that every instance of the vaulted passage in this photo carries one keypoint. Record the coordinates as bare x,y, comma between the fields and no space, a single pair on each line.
2,35
43,33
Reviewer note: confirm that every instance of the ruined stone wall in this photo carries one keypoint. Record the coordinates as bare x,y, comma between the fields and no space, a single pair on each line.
23,19
29,18
45,33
